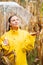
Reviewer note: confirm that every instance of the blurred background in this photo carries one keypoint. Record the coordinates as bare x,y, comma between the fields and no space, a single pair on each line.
30,13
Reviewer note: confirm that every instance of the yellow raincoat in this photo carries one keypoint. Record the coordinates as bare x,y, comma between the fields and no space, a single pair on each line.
19,42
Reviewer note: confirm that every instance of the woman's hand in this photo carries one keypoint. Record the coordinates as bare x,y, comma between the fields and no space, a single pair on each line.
35,33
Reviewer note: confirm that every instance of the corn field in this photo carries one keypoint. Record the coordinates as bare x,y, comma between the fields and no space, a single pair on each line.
32,20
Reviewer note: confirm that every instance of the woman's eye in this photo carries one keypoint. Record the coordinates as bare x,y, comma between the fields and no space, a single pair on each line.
13,20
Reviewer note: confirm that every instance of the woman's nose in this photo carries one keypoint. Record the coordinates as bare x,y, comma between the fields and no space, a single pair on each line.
16,22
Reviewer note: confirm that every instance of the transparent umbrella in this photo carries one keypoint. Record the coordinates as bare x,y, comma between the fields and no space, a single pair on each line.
10,8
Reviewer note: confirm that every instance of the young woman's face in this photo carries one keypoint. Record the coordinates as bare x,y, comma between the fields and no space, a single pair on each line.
14,22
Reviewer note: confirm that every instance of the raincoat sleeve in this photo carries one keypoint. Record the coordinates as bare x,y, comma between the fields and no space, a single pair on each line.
3,44
29,42
7,50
